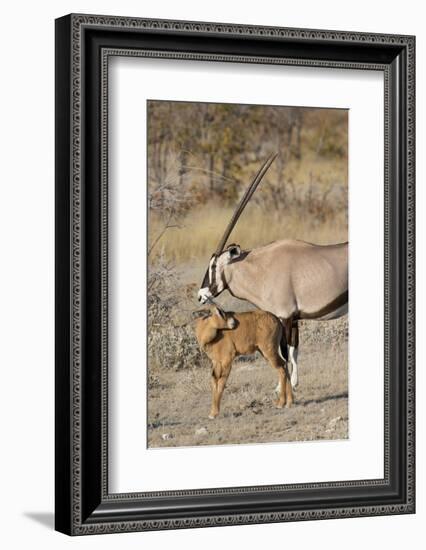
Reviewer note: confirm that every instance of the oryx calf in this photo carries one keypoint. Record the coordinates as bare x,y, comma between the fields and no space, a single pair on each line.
225,335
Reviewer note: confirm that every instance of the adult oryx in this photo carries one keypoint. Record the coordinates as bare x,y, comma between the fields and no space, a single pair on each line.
289,278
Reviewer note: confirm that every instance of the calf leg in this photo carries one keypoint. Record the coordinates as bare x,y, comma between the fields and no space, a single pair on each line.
282,391
285,395
220,373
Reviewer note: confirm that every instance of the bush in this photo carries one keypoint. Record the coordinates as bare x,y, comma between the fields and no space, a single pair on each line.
175,348
171,337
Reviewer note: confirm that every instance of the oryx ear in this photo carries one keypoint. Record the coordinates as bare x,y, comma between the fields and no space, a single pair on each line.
234,250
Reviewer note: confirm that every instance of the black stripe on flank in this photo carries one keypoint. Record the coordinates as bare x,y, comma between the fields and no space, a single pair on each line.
329,308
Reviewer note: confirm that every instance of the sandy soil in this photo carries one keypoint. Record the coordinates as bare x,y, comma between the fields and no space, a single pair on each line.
179,401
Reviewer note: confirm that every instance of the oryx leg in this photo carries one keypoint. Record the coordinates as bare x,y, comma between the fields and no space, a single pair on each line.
293,350
283,354
291,331
220,373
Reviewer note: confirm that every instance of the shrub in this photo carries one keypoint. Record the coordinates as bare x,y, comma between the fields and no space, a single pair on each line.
175,348
171,337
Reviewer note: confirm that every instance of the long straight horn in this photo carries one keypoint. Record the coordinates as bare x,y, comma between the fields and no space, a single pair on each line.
243,202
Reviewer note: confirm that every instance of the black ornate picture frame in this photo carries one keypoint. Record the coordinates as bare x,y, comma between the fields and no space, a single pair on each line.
84,44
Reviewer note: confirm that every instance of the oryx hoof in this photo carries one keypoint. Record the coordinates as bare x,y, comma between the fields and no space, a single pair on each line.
279,404
213,416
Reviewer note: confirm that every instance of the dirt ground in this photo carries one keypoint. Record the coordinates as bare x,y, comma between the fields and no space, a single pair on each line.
179,401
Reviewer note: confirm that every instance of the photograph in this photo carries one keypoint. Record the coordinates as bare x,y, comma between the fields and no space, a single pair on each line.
247,283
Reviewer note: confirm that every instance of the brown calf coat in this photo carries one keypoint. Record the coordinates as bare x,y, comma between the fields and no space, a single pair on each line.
223,336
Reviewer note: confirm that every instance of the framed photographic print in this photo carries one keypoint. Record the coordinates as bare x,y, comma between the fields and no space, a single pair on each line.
234,274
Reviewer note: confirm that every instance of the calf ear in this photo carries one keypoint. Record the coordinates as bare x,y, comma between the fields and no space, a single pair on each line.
231,322
219,313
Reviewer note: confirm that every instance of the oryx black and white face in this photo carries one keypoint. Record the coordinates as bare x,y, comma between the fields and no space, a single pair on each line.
214,281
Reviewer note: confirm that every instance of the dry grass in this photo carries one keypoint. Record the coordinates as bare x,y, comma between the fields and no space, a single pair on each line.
179,401
310,205
199,232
